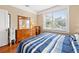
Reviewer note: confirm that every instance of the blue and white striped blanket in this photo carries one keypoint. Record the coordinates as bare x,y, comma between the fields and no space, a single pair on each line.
47,43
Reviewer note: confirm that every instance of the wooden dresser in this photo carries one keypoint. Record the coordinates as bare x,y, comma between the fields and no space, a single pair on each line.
22,34
26,29
37,29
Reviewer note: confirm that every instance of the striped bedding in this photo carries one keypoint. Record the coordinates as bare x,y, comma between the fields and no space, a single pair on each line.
48,43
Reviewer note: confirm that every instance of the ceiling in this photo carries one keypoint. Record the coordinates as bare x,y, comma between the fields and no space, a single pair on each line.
33,8
38,8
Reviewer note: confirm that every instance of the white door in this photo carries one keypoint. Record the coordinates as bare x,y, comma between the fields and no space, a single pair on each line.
3,27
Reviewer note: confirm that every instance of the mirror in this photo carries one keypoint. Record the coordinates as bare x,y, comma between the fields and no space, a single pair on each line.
23,22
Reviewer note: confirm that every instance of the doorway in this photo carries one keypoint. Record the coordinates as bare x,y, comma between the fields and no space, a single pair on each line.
9,27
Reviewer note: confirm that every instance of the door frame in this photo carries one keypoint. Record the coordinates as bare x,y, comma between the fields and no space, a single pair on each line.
9,28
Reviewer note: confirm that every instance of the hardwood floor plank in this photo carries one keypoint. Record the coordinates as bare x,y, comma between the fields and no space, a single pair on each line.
8,48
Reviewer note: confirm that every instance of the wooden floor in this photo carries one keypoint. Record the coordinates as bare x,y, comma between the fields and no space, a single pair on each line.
8,48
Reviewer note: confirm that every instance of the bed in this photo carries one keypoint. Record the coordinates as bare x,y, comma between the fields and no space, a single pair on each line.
49,43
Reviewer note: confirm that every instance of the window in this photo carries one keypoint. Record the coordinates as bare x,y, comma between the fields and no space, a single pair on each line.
48,21
57,20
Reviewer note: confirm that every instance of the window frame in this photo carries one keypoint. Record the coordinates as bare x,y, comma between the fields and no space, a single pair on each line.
57,29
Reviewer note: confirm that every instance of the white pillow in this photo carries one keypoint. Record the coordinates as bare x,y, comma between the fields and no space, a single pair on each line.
77,37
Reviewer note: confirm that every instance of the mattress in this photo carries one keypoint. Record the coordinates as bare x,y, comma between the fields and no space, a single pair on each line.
48,43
